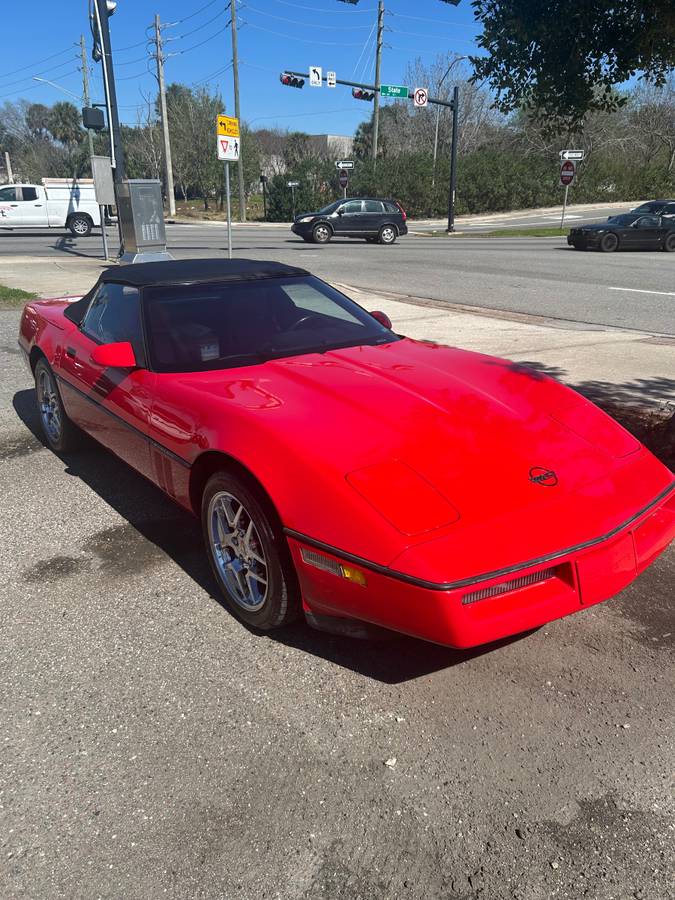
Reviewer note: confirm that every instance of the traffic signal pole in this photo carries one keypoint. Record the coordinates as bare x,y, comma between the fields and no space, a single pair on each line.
450,104
85,89
101,12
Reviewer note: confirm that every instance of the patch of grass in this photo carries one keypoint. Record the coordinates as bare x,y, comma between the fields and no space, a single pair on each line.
11,297
501,232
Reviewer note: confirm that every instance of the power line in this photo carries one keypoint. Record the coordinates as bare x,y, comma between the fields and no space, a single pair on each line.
201,43
37,63
199,27
314,9
261,12
49,71
197,11
427,37
398,15
32,87
292,37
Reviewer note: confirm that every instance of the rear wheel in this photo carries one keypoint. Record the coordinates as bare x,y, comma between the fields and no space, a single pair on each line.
321,234
388,234
609,243
80,225
669,243
248,553
60,433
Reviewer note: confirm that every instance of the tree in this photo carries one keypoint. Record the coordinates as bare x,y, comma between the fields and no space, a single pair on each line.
564,59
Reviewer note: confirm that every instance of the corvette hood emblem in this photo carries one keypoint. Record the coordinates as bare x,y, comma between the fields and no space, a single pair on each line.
543,476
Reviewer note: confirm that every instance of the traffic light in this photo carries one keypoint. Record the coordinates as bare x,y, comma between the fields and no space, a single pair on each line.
362,94
291,80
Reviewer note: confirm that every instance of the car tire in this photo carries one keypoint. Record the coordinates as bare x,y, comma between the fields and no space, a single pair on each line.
60,433
609,243
387,235
669,243
80,225
321,233
248,553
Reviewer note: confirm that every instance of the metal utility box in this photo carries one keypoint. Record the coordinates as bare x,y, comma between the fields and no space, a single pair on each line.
141,215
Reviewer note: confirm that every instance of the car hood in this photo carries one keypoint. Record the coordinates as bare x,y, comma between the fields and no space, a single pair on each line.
443,442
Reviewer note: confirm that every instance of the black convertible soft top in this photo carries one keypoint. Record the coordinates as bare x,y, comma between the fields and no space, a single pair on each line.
192,271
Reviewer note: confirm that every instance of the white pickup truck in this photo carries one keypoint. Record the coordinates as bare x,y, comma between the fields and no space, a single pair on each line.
56,203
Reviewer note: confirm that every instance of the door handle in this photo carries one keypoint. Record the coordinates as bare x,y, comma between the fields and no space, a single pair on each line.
71,352
38,204
14,204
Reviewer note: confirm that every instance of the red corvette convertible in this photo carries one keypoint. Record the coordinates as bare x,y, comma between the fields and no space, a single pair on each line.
343,470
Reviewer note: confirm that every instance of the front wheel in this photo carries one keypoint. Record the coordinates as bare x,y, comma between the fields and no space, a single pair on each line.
80,225
321,234
669,243
248,553
388,234
609,243
60,433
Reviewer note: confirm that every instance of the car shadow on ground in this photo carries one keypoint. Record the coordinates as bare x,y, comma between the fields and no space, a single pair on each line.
391,658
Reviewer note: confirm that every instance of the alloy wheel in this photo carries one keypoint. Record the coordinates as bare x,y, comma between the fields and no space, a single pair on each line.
49,405
237,551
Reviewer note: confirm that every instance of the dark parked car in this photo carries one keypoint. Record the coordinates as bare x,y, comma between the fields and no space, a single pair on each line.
656,208
629,231
375,220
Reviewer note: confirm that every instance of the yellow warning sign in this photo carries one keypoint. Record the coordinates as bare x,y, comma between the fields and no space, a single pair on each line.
227,126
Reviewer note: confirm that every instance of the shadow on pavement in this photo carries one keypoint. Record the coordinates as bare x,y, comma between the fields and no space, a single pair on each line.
644,406
177,534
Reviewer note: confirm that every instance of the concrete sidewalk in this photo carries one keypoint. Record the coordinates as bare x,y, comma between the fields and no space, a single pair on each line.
611,366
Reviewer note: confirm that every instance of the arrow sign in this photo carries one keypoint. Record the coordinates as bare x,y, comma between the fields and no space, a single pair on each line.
572,154
315,76
344,164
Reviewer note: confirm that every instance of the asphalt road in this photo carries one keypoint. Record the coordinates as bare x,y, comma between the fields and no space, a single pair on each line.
154,747
537,276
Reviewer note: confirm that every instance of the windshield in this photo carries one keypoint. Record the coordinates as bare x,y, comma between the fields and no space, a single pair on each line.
626,219
651,207
326,210
195,328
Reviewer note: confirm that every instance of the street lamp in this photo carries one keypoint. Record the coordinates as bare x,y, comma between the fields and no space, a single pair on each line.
438,114
58,87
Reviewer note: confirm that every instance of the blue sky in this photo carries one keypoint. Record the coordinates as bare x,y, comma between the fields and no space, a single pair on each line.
273,35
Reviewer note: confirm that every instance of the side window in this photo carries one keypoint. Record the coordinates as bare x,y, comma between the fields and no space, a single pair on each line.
8,195
114,315
351,207
29,193
648,222
391,207
373,206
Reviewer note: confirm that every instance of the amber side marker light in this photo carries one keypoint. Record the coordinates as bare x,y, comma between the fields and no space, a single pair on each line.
326,564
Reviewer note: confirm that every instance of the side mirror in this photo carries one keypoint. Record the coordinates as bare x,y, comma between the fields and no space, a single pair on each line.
382,318
341,211
115,356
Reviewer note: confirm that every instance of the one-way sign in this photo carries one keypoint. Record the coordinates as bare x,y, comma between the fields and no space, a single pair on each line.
572,154
344,164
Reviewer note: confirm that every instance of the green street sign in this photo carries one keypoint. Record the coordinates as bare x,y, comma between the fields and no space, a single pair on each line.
397,91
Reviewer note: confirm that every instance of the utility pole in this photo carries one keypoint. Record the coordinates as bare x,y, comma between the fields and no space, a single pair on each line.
453,160
117,152
85,89
237,108
378,62
165,119
8,165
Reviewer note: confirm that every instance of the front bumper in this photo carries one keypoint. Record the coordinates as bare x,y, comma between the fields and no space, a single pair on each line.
487,610
583,241
303,230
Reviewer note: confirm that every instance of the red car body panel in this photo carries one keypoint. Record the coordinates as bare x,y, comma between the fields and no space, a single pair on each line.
438,471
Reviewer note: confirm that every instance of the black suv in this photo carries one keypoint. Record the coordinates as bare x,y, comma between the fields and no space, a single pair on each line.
375,220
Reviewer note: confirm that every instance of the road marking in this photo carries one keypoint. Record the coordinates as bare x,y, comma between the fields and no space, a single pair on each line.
642,291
